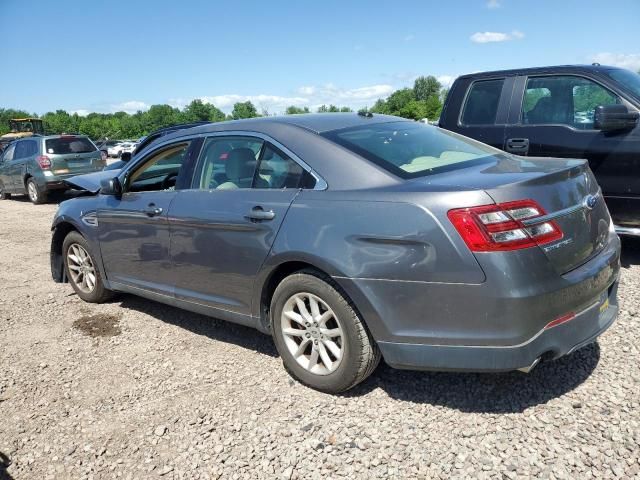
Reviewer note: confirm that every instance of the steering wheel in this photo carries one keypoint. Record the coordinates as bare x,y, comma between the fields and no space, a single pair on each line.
169,181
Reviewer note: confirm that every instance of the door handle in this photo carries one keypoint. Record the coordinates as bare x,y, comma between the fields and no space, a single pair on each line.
259,214
519,146
152,210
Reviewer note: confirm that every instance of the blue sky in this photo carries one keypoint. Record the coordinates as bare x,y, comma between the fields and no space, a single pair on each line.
114,55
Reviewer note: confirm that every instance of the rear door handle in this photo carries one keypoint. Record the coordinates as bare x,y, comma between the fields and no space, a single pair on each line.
152,210
259,214
519,146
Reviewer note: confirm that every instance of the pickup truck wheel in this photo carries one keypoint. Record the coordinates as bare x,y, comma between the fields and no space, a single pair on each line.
36,195
81,270
321,339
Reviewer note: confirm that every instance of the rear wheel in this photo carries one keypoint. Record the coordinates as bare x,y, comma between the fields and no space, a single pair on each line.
81,270
319,335
36,195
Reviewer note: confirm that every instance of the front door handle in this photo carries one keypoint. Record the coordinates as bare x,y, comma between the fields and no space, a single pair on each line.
259,214
519,146
152,210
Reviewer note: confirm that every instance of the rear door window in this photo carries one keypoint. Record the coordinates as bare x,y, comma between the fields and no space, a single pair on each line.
481,107
229,163
69,145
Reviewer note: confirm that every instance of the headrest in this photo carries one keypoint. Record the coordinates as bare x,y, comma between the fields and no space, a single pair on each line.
241,163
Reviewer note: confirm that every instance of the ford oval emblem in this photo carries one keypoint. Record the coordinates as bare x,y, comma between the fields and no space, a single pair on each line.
590,201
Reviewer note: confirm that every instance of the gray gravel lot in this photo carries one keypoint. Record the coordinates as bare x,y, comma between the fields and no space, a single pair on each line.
135,389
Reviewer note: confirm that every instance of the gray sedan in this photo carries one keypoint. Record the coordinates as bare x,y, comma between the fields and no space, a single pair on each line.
350,238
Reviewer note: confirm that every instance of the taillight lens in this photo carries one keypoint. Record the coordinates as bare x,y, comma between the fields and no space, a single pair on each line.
500,227
44,162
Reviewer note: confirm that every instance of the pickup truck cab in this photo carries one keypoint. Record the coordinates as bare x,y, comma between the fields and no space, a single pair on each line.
584,111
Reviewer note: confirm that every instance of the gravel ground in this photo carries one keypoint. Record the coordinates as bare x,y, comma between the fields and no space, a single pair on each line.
135,389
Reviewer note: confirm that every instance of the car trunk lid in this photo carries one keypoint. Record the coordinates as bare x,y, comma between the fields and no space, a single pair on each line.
567,191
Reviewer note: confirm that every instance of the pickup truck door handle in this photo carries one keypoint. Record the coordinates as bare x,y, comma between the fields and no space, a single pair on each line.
152,210
258,214
519,146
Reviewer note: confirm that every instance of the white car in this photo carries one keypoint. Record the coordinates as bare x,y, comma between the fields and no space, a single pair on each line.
115,150
128,147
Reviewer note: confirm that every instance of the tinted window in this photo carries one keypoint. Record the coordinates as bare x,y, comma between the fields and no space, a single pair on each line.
564,100
481,107
66,145
412,149
276,170
8,154
160,171
229,163
25,148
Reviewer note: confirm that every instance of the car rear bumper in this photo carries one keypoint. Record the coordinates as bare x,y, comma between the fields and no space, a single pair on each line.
549,344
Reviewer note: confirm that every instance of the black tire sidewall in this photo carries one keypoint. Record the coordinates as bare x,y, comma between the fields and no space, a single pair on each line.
98,293
346,375
41,194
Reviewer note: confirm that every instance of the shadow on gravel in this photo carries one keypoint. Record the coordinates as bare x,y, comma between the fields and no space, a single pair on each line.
509,392
630,252
215,329
4,464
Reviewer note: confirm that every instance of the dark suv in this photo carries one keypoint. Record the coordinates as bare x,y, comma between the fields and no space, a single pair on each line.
39,164
588,111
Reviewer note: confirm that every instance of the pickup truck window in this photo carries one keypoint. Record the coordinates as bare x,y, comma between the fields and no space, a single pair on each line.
564,100
629,79
481,106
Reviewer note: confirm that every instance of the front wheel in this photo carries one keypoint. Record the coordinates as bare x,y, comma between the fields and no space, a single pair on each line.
319,335
36,195
81,270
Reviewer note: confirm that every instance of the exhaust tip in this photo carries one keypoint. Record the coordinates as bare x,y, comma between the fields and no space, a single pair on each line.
530,367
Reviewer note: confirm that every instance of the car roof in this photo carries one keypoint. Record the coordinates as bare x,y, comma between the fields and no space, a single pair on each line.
595,68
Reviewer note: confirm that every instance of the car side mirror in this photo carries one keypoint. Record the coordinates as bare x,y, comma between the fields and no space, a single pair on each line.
125,156
111,186
609,118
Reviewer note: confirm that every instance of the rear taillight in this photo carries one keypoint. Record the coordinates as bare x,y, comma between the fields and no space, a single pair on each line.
502,226
44,162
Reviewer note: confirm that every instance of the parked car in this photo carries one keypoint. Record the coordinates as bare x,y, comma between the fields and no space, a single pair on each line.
38,165
349,237
569,112
115,149
128,147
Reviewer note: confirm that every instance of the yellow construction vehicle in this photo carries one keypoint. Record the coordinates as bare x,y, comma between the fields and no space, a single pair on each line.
23,127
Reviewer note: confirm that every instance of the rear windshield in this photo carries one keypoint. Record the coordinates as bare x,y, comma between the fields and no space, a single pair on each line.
64,145
411,150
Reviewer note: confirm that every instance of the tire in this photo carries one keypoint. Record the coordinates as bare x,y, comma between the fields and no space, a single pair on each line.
36,195
3,194
359,354
89,291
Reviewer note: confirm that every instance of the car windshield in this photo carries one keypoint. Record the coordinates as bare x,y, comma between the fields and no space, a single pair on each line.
411,150
65,145
630,80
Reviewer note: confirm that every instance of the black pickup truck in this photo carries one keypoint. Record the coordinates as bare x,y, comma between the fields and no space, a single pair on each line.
588,111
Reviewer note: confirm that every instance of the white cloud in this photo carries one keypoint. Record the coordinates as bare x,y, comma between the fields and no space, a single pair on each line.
493,4
272,103
131,106
446,80
409,37
307,90
492,37
83,112
624,60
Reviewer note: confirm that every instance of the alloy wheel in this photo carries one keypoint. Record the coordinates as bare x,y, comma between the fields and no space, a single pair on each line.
81,268
312,333
33,191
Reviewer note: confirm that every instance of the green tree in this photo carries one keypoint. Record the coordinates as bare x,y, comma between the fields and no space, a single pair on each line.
425,87
292,110
244,110
197,111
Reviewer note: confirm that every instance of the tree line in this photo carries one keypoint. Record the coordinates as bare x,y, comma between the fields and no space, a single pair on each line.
424,100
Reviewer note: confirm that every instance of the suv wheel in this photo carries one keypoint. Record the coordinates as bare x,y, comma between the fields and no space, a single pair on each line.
81,270
3,194
319,335
36,195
